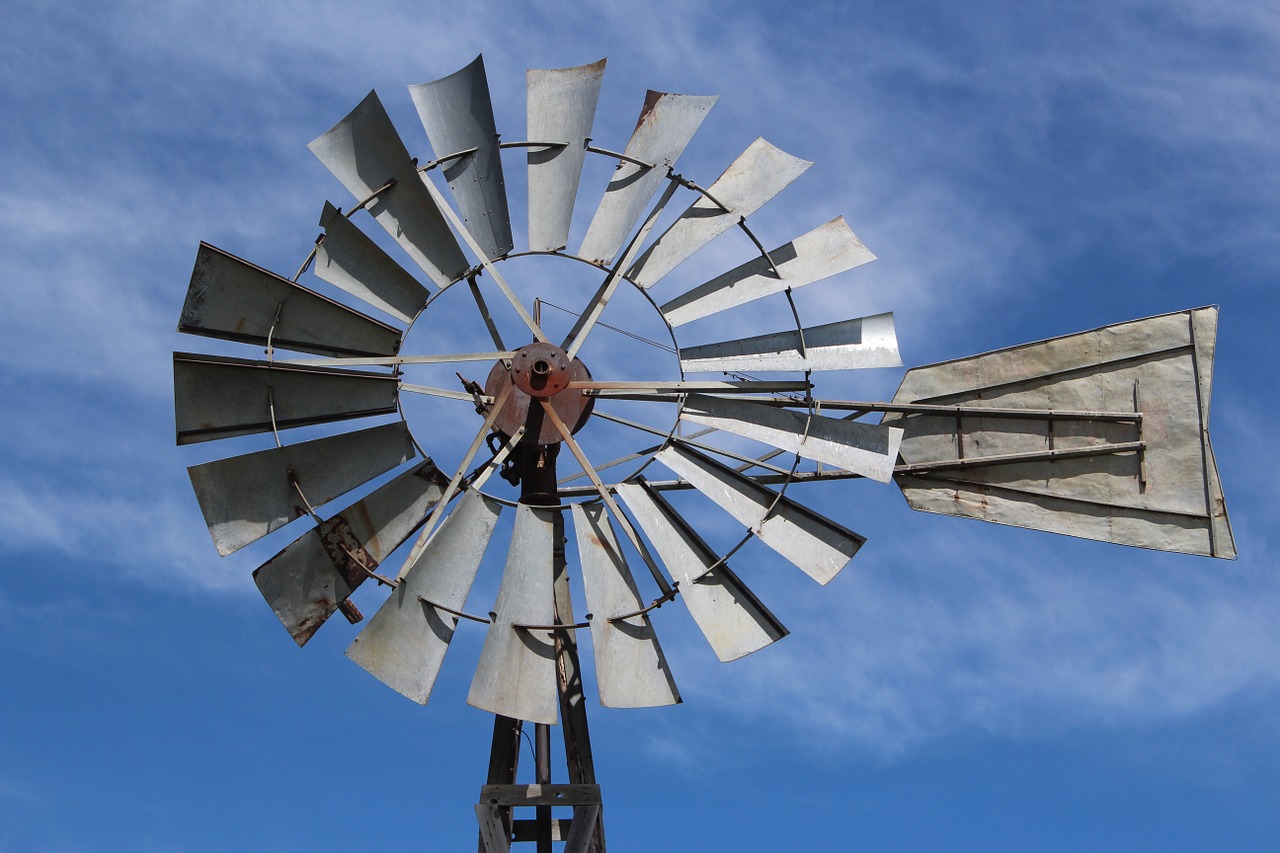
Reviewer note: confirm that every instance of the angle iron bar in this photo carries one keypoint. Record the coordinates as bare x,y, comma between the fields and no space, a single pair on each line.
451,611
653,605
612,155
392,360
764,253
981,411
553,628
526,144
1204,433
1012,458
690,185
483,308
444,392
457,155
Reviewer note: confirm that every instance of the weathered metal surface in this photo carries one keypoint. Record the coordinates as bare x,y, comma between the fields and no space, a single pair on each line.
348,259
667,122
246,497
573,407
631,671
232,299
364,152
847,345
516,676
1165,497
866,449
821,253
218,397
713,386
732,619
405,642
759,173
561,108
813,543
307,581
458,115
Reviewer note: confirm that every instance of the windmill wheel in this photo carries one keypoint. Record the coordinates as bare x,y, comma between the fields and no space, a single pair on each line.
531,397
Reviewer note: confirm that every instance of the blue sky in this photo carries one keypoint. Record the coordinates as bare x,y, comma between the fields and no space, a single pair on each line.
1021,169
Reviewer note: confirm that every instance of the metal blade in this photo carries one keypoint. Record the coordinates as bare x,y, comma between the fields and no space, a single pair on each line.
732,619
561,109
865,449
631,670
218,397
348,259
1164,494
458,115
813,543
232,299
516,676
823,252
306,582
667,122
246,497
759,173
364,152
847,345
405,642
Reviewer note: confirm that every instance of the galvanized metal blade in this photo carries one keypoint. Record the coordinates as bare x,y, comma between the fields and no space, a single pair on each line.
348,259
404,644
561,110
232,299
246,497
667,122
458,116
847,345
365,153
631,670
218,397
821,253
813,543
307,581
732,619
759,173
516,676
1158,490
866,449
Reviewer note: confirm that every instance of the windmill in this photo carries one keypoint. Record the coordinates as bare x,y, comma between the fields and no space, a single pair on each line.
1101,434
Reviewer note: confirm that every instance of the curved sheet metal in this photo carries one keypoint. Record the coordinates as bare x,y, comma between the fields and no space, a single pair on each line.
457,113
823,252
561,108
516,676
866,449
246,497
405,642
667,122
813,543
847,345
759,173
232,299
732,619
348,259
631,670
1167,496
218,397
305,583
364,152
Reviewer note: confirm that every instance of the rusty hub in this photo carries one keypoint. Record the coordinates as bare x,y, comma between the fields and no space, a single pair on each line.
540,371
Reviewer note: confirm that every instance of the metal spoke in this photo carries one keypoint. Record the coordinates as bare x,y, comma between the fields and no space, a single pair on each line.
392,360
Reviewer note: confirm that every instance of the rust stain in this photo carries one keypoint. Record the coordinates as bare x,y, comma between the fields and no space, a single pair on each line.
651,99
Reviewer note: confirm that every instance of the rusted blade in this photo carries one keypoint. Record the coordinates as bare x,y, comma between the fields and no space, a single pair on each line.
561,109
232,299
348,259
516,676
218,397
458,115
305,583
667,122
866,449
759,173
246,497
823,252
732,619
1165,495
847,345
405,642
813,543
631,670
364,152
